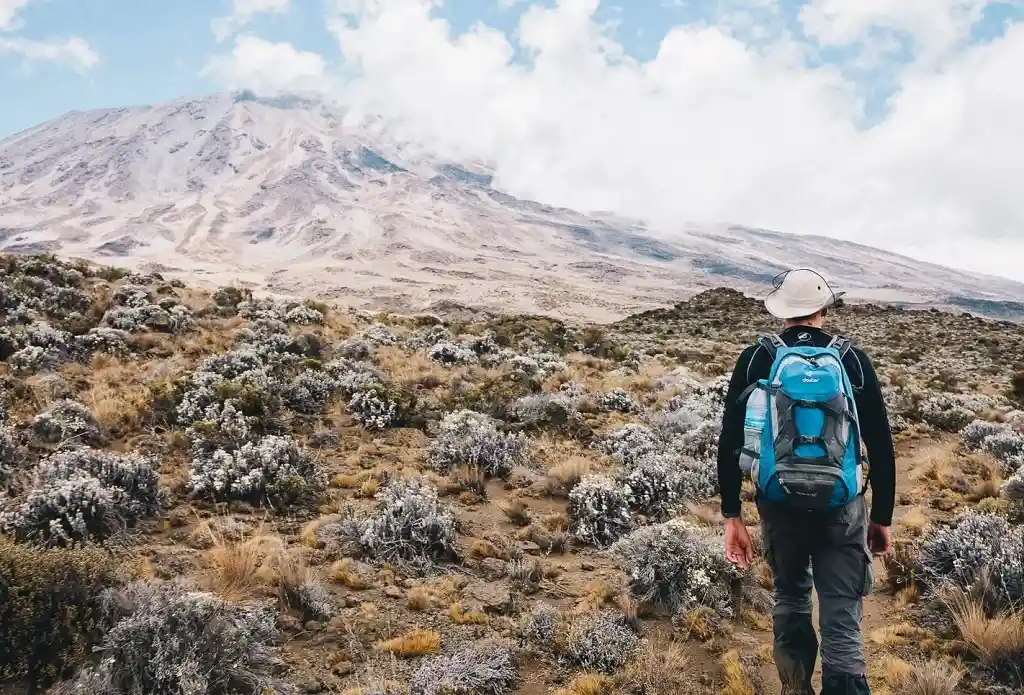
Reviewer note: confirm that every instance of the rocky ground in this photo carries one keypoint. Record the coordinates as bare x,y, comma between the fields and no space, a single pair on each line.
209,493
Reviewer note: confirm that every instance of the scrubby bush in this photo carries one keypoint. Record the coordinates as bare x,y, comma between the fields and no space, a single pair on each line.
485,669
83,496
600,642
617,401
66,420
166,639
542,624
1013,488
1003,442
133,477
467,438
450,353
379,335
598,511
354,349
50,609
968,550
8,454
305,316
373,407
271,469
310,392
109,341
410,529
654,487
678,565
69,512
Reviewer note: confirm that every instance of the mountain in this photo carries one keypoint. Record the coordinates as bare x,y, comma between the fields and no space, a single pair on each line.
282,195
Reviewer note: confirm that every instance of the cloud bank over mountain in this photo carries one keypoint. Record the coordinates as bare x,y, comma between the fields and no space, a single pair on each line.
890,124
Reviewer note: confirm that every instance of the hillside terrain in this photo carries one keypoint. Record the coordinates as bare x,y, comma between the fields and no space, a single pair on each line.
286,195
204,492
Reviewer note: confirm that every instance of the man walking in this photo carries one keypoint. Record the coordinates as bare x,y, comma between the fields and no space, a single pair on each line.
815,524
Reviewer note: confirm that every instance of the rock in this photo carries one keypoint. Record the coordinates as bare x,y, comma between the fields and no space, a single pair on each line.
288,623
492,598
393,592
530,547
586,566
493,568
311,684
314,626
343,668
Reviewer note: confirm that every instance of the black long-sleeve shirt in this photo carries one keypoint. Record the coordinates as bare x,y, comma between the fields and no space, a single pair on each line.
874,422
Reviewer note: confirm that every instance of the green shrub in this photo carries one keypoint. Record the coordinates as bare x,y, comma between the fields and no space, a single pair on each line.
50,612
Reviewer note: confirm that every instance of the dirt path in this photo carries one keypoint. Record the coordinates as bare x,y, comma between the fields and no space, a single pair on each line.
911,458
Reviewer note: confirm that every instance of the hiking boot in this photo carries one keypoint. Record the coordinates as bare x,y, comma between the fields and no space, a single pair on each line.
845,684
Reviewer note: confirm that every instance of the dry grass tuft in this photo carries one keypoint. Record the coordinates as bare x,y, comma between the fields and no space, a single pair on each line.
898,635
343,572
416,642
656,670
701,623
914,522
993,640
931,678
236,569
461,616
588,684
563,476
418,599
516,511
736,679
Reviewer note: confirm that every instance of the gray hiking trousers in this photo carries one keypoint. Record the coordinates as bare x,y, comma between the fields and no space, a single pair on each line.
829,551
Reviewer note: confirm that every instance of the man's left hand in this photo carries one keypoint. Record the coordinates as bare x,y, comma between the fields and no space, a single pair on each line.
879,539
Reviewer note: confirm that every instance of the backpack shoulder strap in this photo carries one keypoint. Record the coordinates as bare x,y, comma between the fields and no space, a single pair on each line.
844,345
770,343
841,344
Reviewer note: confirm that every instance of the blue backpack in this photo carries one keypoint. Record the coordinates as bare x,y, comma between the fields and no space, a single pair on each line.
801,431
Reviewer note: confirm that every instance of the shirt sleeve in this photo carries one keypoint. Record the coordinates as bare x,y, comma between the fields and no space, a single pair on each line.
877,435
730,477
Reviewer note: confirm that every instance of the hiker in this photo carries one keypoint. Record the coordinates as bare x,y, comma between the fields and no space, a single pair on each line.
792,427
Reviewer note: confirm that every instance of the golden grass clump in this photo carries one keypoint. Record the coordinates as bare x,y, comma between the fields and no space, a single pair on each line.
416,642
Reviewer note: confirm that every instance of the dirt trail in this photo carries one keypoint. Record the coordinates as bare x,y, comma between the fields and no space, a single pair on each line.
911,458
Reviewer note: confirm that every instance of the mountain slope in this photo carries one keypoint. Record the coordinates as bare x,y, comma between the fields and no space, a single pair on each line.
283,195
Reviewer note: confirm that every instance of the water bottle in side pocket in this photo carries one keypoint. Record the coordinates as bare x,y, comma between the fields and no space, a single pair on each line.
753,425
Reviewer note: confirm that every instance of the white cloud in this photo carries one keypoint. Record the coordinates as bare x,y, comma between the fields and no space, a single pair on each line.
74,51
725,124
9,14
243,12
269,68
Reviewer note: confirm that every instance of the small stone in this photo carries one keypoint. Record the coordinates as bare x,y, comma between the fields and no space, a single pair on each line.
393,592
314,626
586,566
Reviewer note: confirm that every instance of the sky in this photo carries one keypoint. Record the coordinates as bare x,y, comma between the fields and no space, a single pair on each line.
892,123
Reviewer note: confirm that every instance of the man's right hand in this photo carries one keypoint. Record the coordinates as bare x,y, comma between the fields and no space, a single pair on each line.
738,548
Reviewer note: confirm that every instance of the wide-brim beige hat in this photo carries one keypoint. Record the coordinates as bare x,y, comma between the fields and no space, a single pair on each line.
799,292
